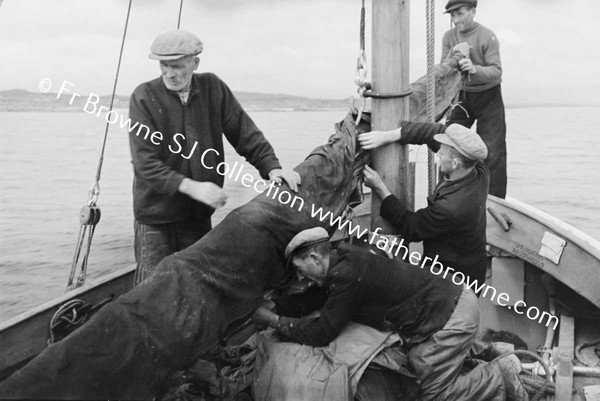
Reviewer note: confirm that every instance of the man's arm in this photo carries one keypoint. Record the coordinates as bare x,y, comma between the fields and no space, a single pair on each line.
150,167
413,133
344,297
249,141
146,156
490,70
426,223
446,46
302,303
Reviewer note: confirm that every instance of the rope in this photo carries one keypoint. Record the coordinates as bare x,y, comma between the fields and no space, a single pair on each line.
536,387
90,213
581,358
179,18
112,98
80,237
61,315
431,168
71,315
534,384
360,77
81,278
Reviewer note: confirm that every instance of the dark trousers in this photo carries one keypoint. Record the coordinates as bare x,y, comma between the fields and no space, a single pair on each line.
154,242
487,108
438,361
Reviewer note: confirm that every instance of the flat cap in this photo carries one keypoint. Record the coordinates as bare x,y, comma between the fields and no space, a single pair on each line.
303,239
464,140
456,4
175,44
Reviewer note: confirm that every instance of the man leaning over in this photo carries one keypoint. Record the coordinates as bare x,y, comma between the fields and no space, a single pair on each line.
437,320
176,187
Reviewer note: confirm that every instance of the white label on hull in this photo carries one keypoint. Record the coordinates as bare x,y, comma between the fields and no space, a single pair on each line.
552,247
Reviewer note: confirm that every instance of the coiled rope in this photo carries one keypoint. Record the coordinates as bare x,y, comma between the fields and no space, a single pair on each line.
90,213
581,358
71,315
536,386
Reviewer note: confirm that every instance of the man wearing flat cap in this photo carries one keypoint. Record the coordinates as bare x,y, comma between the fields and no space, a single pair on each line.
452,226
179,121
480,98
437,319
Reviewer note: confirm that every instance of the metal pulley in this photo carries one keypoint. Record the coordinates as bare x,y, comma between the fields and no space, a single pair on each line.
89,215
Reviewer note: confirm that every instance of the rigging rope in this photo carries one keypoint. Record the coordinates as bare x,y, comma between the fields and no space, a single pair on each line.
360,78
179,18
90,213
431,167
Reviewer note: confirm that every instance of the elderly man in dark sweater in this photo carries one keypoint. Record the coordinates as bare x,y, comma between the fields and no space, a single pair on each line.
452,226
178,121
437,320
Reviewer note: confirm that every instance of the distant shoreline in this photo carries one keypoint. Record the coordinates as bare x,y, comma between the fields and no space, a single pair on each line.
19,100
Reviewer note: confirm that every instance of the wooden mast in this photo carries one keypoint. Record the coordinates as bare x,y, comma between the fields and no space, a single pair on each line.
390,38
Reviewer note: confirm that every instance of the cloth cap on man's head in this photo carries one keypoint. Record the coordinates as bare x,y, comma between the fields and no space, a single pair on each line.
464,140
175,44
303,239
456,4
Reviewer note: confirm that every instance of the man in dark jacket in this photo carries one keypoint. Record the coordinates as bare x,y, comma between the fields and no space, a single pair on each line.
452,226
437,320
176,137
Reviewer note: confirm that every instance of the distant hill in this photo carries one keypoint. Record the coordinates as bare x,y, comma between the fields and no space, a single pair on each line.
22,100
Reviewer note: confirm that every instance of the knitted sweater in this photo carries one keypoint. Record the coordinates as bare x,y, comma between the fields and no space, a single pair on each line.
485,54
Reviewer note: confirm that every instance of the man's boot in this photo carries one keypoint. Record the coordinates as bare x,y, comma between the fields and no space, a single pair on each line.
510,367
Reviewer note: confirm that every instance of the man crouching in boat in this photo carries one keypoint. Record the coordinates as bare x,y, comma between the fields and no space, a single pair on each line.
437,320
176,138
452,226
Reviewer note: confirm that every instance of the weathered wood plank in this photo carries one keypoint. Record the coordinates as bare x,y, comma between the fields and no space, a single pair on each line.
564,359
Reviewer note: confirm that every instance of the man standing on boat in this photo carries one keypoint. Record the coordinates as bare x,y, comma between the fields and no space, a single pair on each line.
480,98
181,119
437,319
452,226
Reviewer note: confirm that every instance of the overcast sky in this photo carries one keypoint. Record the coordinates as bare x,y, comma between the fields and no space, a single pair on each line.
550,48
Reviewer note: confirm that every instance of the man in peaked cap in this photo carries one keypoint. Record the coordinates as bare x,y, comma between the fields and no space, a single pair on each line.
480,98
437,319
452,226
176,143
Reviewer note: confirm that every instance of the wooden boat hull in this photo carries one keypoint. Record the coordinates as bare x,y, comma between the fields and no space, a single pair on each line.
576,265
24,336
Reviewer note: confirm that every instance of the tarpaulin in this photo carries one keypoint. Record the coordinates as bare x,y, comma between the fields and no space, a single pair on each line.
289,371
132,345
129,348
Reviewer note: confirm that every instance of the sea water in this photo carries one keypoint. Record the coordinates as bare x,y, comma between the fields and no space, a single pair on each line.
48,162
